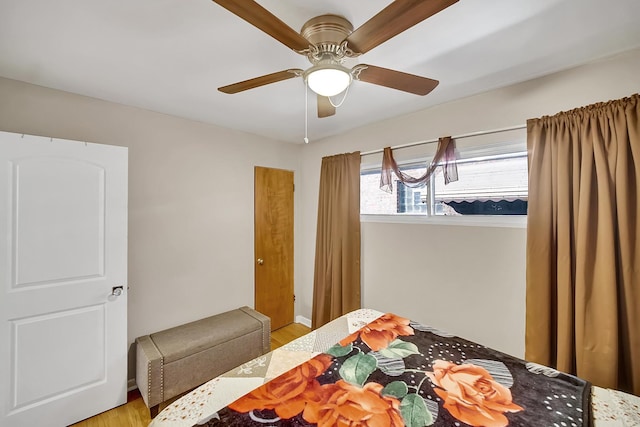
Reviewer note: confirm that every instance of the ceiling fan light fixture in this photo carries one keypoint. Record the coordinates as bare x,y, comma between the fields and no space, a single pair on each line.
328,79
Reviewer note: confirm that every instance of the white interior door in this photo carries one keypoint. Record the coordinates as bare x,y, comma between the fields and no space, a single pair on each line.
63,247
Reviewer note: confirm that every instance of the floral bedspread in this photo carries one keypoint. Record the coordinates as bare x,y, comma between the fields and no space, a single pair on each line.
394,372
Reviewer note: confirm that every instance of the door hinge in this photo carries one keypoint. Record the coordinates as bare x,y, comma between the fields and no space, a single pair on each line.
294,297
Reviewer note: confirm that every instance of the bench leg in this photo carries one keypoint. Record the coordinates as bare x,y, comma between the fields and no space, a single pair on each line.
153,411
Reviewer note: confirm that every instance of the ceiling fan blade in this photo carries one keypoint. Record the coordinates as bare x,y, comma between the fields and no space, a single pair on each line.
392,20
261,18
260,81
325,108
396,80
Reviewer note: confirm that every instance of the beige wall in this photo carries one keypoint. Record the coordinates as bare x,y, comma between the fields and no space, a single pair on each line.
190,199
481,296
464,279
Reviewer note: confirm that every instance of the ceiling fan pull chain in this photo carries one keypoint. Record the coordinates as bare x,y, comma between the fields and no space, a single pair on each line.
346,92
306,111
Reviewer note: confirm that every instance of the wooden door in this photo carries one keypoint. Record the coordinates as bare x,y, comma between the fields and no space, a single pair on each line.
273,230
63,248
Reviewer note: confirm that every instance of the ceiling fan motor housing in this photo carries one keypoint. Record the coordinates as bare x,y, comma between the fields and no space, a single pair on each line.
326,34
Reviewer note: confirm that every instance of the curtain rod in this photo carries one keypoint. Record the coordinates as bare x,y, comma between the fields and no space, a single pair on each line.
431,141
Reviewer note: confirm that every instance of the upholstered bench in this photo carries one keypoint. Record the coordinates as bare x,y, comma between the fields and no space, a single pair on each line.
175,360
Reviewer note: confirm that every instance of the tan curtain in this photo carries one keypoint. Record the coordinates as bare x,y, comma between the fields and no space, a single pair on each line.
445,154
336,284
583,253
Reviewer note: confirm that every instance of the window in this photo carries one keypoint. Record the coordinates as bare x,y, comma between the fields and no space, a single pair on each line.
488,184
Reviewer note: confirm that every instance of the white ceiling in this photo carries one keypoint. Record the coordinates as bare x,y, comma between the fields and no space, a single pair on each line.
171,55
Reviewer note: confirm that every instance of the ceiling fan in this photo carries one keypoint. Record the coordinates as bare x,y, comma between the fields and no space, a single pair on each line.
328,40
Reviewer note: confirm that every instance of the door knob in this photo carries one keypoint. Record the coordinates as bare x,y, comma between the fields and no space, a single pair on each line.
116,291
260,261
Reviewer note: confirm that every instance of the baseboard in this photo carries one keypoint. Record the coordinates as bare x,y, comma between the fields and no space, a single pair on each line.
131,384
303,321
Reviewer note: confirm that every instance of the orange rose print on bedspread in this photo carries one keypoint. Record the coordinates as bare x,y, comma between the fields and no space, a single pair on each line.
382,331
471,395
289,393
345,404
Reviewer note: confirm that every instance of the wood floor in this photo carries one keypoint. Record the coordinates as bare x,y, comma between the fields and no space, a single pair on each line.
135,414
287,334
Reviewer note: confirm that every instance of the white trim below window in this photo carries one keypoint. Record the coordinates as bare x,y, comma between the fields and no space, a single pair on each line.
509,221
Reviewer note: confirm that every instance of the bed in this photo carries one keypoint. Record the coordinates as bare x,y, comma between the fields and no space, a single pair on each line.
369,368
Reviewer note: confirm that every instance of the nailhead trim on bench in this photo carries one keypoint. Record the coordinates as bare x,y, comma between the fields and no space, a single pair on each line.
162,378
149,379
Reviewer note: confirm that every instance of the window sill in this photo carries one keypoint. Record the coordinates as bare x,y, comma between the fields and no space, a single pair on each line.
509,221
